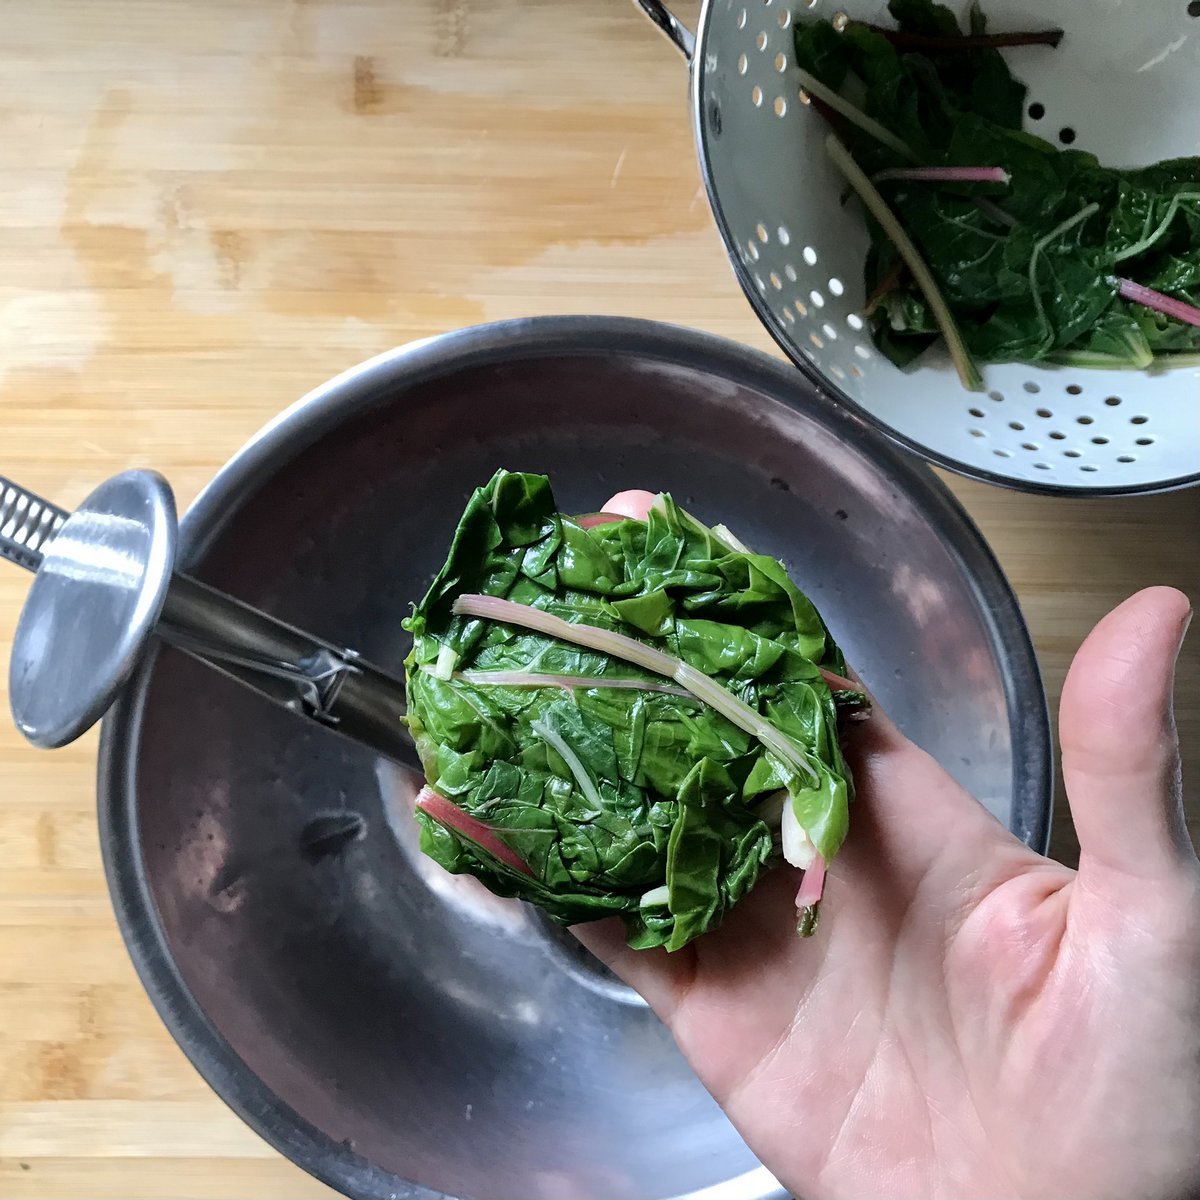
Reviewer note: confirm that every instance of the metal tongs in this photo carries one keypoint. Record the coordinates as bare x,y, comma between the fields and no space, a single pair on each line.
105,587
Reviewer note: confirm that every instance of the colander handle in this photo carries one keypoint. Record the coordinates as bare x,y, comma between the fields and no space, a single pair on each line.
683,38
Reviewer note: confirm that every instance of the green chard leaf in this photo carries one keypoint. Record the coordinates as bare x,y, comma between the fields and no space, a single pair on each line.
1023,276
823,52
619,793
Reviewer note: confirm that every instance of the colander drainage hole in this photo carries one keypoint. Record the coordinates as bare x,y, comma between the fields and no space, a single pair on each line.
1193,9
1066,135
1036,111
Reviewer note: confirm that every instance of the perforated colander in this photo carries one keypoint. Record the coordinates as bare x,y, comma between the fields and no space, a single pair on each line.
1125,84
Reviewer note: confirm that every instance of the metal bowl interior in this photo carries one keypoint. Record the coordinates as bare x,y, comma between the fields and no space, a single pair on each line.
402,1033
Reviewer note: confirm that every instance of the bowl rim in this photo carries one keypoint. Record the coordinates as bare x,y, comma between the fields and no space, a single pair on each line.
359,390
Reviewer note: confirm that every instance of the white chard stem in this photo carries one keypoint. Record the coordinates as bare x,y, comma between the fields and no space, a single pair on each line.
968,373
508,612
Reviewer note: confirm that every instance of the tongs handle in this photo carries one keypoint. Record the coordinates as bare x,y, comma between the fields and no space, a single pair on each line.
106,584
328,684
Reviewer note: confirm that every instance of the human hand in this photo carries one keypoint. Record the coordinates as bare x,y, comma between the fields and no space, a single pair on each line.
971,1019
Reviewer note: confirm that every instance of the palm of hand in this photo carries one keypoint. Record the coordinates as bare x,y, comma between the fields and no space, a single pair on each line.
973,1020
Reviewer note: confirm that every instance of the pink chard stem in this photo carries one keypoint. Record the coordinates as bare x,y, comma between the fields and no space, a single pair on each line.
808,898
947,174
1189,314
812,886
444,812
840,683
598,518
903,40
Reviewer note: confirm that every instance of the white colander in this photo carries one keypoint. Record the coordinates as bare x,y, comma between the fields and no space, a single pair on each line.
1124,84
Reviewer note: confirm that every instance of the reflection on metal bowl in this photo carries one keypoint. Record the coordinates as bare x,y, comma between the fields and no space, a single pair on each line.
400,1032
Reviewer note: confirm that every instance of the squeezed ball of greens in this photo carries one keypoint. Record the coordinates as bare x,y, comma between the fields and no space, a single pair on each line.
641,801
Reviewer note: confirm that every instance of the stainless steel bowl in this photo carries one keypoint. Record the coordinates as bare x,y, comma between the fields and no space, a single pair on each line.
399,1032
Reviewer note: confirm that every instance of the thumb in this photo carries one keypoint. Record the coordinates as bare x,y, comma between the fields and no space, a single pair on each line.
1120,753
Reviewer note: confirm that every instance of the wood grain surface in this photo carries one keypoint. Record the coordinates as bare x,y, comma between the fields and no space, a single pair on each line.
210,206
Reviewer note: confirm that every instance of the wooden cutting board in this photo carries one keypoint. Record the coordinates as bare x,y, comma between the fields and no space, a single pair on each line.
210,206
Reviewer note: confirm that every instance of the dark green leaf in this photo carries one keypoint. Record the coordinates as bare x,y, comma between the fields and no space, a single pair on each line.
823,52
902,349
924,17
1020,286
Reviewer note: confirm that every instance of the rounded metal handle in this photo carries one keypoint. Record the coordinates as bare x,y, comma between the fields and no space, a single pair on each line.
683,38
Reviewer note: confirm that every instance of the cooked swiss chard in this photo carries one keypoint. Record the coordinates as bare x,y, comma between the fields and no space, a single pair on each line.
1012,249
627,717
